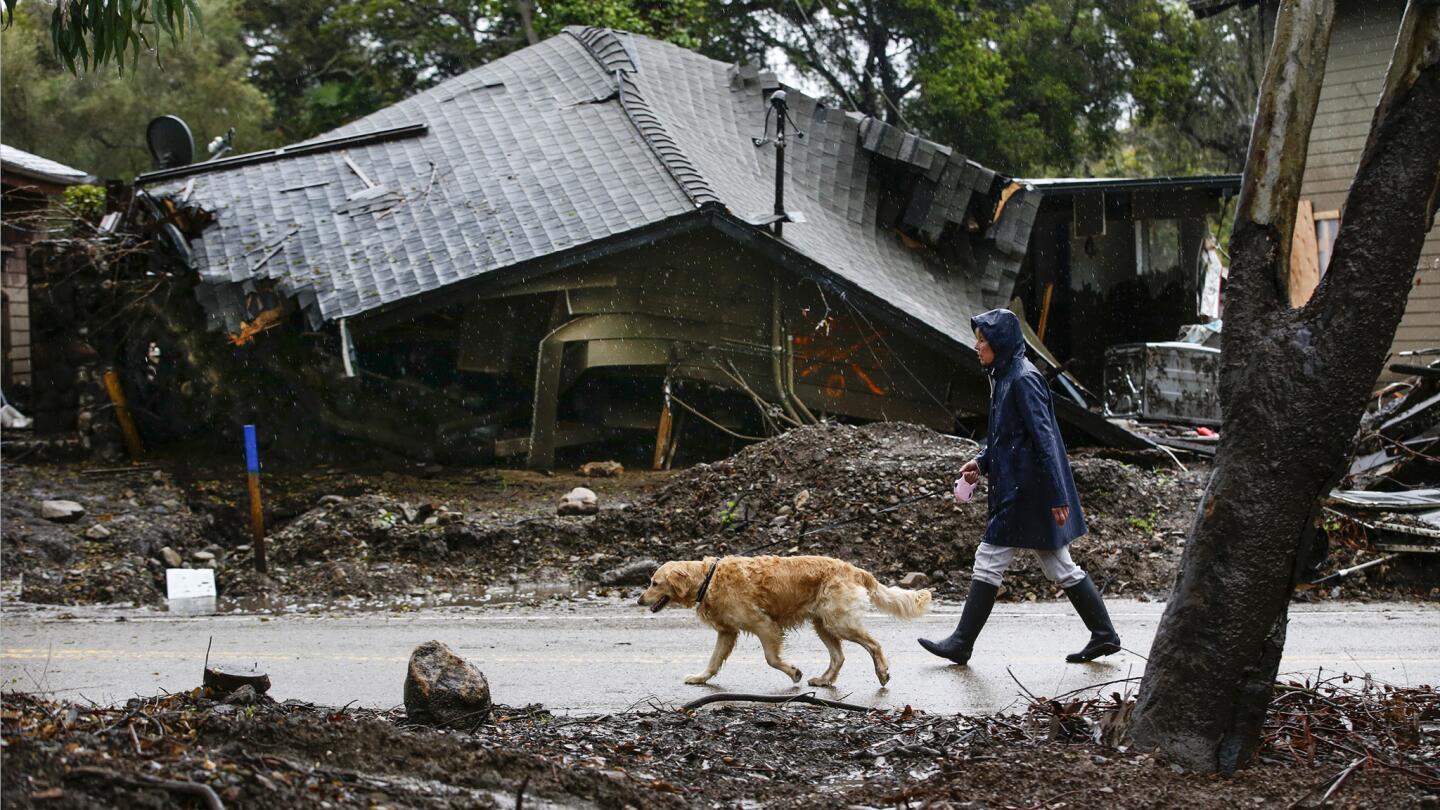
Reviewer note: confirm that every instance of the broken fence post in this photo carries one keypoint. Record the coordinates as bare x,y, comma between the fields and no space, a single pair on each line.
122,414
257,511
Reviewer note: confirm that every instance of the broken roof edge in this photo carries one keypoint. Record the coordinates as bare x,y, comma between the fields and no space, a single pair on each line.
386,315
295,150
1070,185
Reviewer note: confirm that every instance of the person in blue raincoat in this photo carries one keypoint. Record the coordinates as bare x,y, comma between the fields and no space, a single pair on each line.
1032,498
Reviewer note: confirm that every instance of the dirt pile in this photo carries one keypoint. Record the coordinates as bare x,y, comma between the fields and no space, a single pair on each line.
141,514
861,481
164,752
876,495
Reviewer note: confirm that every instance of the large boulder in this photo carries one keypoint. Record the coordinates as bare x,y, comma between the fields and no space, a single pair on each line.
443,689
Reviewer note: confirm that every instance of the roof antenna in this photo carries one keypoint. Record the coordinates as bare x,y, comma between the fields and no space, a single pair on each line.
782,116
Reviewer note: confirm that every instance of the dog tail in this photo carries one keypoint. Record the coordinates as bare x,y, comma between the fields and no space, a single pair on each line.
900,602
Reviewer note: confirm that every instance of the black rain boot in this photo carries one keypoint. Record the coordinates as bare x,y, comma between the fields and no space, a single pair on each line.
1091,607
958,645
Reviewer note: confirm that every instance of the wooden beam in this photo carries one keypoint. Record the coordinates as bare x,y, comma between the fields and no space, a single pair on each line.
662,435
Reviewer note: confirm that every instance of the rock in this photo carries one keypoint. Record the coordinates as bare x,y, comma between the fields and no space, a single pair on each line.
442,689
61,511
97,532
914,579
579,501
937,576
171,557
602,469
632,573
202,556
244,695
330,500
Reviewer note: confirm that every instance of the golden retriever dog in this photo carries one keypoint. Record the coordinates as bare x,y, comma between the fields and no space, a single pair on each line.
767,596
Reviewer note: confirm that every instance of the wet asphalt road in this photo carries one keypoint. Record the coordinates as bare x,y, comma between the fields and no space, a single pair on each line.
595,657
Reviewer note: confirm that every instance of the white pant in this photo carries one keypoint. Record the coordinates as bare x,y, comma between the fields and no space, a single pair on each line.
991,562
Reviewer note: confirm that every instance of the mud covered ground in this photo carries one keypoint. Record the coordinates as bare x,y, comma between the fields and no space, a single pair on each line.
409,535
1376,748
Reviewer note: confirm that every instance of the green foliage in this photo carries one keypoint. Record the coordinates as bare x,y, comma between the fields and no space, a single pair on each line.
1147,524
326,62
93,33
1034,87
96,122
730,514
1031,87
85,201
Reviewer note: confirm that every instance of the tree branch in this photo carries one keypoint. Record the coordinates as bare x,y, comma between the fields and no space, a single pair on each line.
1275,166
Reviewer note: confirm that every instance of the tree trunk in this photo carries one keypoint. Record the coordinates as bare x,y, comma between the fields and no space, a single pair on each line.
527,20
1293,384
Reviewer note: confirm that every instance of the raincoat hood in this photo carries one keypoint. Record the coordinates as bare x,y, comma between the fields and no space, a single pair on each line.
1002,331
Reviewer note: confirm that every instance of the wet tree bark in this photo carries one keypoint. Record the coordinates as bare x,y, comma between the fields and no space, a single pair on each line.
1293,384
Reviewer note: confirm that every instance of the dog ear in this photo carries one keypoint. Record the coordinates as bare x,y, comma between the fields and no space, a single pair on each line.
684,580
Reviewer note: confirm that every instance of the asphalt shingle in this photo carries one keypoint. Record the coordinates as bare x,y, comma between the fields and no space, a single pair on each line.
588,134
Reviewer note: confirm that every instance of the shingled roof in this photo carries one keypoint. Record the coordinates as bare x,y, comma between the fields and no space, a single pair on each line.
585,136
44,169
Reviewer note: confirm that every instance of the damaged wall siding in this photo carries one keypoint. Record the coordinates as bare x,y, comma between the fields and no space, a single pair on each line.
15,340
1360,51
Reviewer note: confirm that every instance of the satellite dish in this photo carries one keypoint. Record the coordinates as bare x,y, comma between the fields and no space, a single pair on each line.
171,144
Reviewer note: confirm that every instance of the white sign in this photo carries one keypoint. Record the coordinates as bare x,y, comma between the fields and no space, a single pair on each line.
190,590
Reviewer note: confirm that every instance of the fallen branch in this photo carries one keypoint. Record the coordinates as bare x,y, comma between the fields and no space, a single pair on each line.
1330,786
203,792
807,697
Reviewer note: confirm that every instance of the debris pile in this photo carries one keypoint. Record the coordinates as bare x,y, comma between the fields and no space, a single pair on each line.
1364,747
98,535
878,496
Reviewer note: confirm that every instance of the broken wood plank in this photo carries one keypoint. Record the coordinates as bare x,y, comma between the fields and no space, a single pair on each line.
1304,255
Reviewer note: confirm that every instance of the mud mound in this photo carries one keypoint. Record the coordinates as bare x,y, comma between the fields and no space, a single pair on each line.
847,492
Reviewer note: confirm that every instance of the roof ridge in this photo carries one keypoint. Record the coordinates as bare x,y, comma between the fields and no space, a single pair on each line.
605,46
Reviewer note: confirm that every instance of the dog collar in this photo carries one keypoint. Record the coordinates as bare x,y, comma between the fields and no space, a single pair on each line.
705,583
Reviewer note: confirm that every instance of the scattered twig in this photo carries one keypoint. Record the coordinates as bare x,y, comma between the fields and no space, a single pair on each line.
520,794
1330,786
804,697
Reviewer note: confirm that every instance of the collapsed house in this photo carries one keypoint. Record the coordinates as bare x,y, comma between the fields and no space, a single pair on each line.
591,235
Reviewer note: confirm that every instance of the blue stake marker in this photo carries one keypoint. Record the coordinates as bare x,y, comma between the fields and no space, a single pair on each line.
257,511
